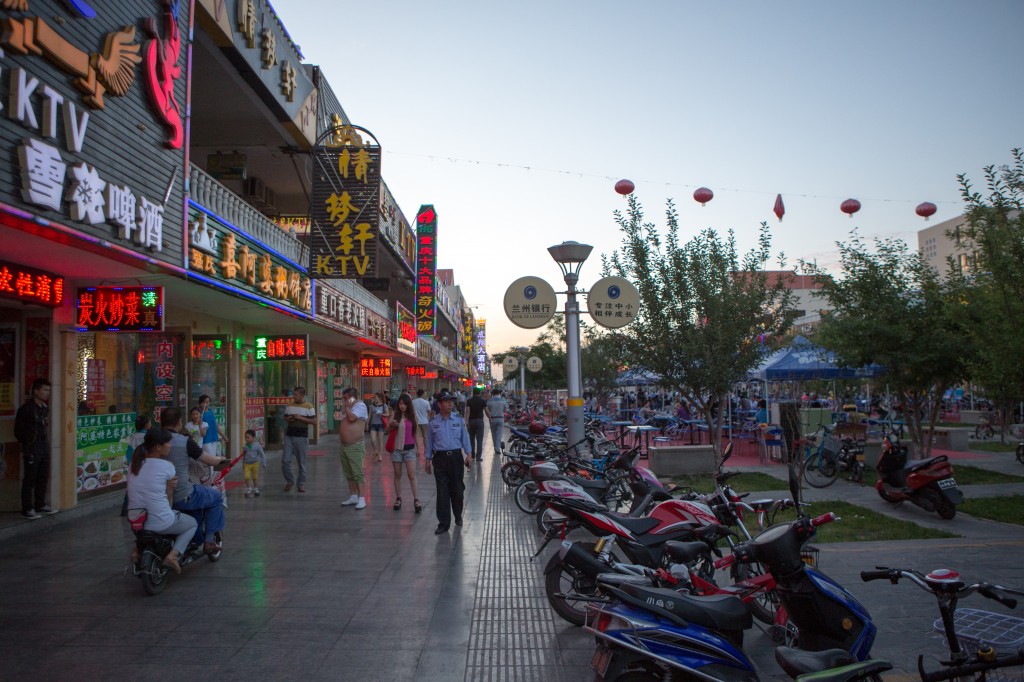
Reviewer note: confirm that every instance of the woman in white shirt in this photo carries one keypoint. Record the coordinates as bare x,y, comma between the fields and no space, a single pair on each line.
151,481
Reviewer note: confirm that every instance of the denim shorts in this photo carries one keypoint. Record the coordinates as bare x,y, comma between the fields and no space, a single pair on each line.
406,455
376,427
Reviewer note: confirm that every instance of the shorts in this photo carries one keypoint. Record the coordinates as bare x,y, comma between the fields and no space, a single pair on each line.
211,448
251,472
376,427
352,461
406,455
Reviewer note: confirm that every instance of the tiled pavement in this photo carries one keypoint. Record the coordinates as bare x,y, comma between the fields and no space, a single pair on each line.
308,590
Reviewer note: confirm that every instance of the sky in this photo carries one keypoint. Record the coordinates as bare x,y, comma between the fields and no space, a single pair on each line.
515,119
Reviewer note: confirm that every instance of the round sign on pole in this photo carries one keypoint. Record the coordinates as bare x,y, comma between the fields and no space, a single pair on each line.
613,302
510,364
534,364
530,302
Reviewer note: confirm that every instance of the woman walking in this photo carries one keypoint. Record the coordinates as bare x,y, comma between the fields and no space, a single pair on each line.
379,413
408,445
151,481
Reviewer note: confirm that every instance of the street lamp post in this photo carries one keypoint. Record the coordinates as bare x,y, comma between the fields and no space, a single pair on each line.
570,257
522,350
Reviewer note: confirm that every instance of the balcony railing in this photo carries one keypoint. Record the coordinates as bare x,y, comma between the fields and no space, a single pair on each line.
351,288
215,197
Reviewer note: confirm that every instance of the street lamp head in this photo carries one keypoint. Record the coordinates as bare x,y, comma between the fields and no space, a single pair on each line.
522,349
570,257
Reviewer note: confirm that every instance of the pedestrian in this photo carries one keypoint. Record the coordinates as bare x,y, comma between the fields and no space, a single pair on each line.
408,444
151,483
447,439
32,430
474,415
214,434
298,415
353,449
253,458
378,416
495,411
423,413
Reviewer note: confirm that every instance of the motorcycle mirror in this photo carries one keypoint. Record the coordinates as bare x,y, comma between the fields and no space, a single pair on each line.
794,486
727,452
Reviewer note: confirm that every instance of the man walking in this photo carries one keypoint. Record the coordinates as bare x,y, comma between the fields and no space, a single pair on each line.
353,449
32,429
421,406
495,411
447,438
474,414
298,416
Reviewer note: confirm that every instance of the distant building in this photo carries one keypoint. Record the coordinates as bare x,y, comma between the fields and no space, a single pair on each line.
809,306
937,246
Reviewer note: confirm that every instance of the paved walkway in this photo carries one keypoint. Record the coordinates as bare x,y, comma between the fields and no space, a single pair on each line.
308,590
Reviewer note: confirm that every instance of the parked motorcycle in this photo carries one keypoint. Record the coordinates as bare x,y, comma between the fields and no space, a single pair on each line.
929,483
151,547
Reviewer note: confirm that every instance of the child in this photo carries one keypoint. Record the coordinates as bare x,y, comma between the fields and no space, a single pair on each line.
254,458
196,427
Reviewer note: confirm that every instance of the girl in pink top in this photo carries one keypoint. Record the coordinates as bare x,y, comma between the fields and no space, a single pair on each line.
408,446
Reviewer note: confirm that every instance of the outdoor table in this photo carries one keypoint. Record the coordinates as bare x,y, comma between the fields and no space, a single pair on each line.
622,429
645,431
695,427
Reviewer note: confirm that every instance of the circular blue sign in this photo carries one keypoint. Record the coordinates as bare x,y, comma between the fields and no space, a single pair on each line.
530,292
614,291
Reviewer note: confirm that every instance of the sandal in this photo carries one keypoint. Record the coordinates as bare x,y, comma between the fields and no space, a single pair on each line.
378,458
172,562
417,506
398,504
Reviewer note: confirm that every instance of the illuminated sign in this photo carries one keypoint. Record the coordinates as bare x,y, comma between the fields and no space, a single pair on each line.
345,209
416,371
430,375
120,309
426,270
375,367
406,329
210,348
29,285
282,347
481,348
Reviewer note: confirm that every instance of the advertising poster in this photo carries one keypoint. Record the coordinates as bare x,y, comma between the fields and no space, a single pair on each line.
8,363
102,440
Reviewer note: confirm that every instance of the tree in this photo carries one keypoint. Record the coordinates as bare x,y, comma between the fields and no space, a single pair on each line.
993,286
891,308
703,308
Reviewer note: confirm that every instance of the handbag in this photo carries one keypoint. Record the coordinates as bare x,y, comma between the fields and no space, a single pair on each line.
389,444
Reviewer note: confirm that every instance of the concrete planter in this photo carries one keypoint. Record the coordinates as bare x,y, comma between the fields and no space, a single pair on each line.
679,460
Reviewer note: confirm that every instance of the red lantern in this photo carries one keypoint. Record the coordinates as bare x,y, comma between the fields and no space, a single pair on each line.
624,187
779,209
849,207
703,195
926,209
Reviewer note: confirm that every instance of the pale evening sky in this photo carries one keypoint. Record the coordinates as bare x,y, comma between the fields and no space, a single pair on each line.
880,101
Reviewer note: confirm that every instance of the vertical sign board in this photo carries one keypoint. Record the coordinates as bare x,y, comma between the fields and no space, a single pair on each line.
406,329
426,270
345,206
481,349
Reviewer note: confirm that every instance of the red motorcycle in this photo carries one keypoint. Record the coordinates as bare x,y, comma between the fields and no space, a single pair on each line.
929,483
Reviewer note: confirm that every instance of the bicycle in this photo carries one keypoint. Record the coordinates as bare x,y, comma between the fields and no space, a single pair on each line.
819,466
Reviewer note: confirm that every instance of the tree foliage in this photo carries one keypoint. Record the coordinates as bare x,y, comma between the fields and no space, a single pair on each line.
703,308
993,285
891,308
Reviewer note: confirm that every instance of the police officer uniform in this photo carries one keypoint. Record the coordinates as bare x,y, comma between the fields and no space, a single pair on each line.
446,441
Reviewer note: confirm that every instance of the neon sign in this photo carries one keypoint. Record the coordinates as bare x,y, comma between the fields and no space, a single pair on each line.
282,347
416,371
375,367
120,309
426,270
29,285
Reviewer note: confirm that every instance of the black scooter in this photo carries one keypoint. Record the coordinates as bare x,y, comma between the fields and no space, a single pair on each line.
151,547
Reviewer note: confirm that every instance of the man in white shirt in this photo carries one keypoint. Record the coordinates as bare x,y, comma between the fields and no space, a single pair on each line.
421,406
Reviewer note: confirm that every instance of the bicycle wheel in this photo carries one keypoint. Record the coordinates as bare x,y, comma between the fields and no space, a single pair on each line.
1020,453
820,470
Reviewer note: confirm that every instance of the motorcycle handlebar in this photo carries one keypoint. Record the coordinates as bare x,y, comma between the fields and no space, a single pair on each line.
827,517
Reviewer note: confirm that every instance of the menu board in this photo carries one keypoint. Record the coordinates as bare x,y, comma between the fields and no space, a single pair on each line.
101,444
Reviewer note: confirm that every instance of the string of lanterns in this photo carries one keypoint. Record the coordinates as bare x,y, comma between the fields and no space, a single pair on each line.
703,195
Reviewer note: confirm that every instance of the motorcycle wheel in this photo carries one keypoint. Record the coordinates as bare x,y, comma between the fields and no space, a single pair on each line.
820,472
617,496
513,472
765,604
153,574
939,502
526,498
1020,453
547,521
562,579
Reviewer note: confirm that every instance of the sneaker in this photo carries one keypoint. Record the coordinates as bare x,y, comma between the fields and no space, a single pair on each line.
361,504
248,493
31,514
287,487
350,501
256,492
224,502
302,488
47,510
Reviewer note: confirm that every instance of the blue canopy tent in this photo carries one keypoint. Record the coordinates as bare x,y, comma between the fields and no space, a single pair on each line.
804,361
637,377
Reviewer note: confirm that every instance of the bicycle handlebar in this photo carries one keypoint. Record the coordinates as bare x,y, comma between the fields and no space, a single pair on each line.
988,590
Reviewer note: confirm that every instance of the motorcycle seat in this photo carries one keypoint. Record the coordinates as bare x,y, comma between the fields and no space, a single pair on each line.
924,463
831,665
588,483
721,612
522,434
686,552
637,526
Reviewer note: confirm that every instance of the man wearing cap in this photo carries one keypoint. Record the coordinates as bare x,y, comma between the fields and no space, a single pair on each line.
447,440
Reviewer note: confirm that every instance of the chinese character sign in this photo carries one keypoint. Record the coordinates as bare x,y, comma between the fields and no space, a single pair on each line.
415,371
120,309
375,367
345,206
481,349
29,285
426,270
406,329
282,347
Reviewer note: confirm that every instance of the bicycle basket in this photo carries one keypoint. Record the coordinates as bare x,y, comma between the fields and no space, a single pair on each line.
137,519
830,445
809,555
